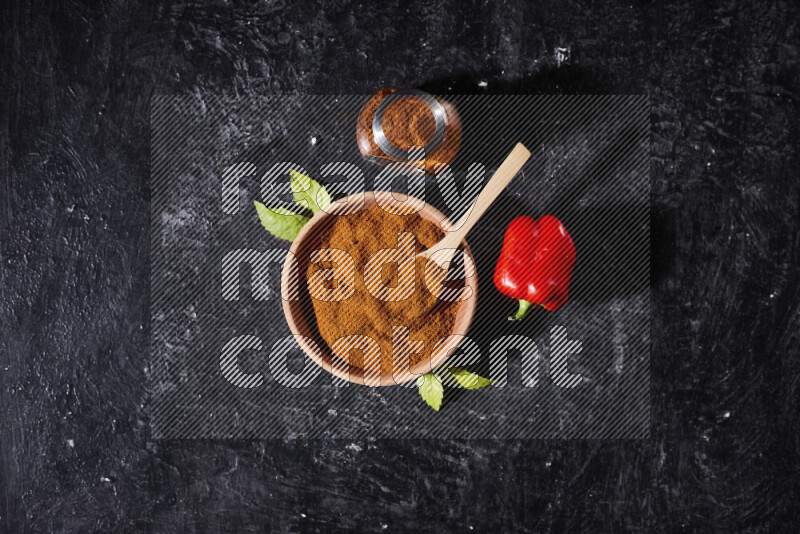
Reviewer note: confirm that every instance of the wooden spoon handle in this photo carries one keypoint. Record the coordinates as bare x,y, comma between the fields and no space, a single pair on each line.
507,170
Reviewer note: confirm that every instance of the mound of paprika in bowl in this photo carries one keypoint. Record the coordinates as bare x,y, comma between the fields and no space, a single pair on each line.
357,299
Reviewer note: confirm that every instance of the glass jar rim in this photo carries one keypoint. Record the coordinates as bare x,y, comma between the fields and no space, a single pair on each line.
414,153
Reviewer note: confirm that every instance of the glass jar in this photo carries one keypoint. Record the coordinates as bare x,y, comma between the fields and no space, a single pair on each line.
395,123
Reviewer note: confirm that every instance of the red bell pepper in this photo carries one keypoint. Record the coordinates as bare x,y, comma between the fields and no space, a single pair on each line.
535,264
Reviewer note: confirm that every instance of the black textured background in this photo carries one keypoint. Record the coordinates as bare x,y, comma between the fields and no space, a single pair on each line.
75,448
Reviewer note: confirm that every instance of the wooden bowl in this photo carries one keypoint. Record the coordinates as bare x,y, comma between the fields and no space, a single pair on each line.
297,310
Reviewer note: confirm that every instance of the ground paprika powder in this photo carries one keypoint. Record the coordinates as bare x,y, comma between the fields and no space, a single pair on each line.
361,235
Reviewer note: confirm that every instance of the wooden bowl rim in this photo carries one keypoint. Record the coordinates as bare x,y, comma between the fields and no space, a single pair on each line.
324,358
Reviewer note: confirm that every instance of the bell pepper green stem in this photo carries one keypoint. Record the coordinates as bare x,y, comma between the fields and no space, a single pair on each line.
524,308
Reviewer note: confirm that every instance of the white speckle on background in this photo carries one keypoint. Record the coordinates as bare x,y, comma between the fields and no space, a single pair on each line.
71,443
354,447
562,55
483,83
177,220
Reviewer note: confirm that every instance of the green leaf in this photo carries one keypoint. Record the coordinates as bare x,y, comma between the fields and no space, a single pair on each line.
280,222
431,390
308,193
467,379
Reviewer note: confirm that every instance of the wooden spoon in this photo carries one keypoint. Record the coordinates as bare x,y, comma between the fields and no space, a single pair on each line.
442,252
507,170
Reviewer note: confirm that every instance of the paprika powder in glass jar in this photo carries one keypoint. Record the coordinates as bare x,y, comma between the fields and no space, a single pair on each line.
395,123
